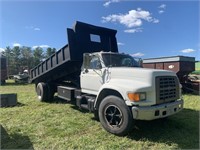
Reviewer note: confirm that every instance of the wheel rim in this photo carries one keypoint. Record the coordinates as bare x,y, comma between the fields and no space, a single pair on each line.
113,116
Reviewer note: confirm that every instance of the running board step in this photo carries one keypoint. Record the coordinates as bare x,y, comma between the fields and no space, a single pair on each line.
85,102
84,106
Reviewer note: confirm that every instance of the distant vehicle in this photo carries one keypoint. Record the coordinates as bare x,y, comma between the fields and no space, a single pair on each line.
21,78
3,70
114,86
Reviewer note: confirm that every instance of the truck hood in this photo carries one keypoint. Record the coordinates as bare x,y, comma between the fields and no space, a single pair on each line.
127,79
139,74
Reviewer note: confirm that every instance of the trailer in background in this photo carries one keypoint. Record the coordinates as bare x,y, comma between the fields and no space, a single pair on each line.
3,70
182,65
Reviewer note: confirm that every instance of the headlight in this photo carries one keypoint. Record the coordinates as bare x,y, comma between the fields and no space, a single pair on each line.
135,97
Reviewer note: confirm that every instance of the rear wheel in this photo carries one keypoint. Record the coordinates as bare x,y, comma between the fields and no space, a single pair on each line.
115,116
44,92
51,92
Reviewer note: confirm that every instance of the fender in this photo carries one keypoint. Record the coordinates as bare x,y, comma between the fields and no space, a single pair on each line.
123,86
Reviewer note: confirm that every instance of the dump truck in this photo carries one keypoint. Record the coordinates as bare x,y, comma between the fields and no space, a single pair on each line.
182,66
91,73
3,71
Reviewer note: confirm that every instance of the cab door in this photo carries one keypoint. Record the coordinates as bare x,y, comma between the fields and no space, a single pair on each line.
91,75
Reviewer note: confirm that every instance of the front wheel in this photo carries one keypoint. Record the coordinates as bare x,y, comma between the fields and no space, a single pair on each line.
115,116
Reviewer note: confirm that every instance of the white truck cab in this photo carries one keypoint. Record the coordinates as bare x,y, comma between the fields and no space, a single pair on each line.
147,94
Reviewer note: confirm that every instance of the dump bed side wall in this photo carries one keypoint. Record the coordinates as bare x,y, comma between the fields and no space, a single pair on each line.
68,60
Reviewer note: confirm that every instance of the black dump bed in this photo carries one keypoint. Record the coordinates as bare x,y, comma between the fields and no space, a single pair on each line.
66,62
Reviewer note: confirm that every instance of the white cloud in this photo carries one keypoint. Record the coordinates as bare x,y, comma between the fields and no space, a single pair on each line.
106,4
41,46
133,30
37,29
161,11
2,49
120,44
189,50
156,21
16,44
44,46
139,54
34,47
33,28
162,6
134,18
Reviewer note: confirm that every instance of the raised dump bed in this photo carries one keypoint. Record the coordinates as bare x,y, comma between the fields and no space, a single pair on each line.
66,62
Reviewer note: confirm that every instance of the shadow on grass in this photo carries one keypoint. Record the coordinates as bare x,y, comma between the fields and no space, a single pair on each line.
57,100
181,129
80,109
20,104
14,141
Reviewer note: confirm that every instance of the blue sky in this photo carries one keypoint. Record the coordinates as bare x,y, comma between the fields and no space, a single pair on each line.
146,28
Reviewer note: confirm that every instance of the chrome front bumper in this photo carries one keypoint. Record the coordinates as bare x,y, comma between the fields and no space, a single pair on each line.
158,111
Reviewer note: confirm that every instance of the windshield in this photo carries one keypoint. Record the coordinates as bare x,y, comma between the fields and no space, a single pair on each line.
119,60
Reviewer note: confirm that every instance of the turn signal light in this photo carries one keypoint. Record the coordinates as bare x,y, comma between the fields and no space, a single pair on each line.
135,97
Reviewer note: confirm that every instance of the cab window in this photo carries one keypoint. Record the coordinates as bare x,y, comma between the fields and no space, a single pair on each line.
95,63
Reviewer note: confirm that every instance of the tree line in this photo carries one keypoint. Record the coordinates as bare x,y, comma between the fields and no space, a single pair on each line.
25,58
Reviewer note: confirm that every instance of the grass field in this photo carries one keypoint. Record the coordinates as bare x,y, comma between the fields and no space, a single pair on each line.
59,125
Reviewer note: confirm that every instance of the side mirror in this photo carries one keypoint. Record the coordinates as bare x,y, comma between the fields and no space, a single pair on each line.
98,66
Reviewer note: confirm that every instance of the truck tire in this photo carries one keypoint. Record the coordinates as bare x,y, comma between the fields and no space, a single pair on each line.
96,115
51,92
42,92
115,116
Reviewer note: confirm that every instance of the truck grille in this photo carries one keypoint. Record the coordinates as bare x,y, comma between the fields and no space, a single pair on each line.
167,88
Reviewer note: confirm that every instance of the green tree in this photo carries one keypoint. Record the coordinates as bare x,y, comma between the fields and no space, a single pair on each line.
49,52
15,61
38,55
21,58
8,55
27,60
